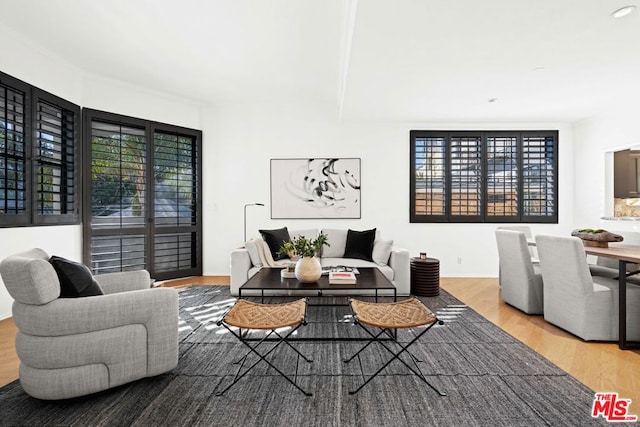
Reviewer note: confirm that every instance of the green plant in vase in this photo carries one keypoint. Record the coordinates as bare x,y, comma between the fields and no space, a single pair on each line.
308,268
302,247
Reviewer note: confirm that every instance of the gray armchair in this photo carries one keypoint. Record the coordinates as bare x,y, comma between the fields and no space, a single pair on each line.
70,347
576,301
520,279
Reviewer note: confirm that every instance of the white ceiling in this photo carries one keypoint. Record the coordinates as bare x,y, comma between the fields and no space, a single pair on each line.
381,60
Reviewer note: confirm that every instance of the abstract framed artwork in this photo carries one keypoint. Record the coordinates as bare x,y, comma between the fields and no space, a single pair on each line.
315,188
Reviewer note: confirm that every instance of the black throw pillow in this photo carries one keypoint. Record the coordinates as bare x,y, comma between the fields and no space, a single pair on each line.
360,244
76,279
275,239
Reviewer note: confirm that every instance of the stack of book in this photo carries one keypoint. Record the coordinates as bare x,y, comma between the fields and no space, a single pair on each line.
342,278
329,269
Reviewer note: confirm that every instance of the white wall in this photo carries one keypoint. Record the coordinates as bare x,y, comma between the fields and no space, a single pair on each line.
241,138
118,97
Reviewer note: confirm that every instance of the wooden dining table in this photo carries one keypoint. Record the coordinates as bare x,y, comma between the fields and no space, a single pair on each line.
625,254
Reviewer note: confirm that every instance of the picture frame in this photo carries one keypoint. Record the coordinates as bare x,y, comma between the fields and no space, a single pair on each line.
314,188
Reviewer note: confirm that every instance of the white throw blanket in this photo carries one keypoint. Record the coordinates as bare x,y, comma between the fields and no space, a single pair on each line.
265,255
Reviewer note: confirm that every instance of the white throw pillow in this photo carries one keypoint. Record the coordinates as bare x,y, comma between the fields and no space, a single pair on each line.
311,233
338,241
254,254
382,251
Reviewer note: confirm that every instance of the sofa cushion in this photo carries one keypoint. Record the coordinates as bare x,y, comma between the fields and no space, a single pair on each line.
75,278
275,239
382,251
360,244
310,233
337,239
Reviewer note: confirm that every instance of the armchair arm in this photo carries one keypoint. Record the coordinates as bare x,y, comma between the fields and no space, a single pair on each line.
124,281
399,262
240,266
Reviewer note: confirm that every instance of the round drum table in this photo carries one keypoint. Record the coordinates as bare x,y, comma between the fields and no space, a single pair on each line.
425,277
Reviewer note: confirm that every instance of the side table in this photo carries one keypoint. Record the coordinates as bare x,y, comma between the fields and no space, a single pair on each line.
425,277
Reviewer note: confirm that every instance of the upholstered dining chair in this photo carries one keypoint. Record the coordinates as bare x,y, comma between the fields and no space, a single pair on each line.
70,347
528,234
520,279
576,301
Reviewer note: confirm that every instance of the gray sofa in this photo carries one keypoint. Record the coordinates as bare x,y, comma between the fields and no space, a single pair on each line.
392,262
70,347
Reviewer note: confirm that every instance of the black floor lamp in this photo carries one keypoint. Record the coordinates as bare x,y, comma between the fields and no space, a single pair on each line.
245,217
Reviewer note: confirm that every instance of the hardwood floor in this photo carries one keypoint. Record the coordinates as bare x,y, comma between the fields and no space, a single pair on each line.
600,366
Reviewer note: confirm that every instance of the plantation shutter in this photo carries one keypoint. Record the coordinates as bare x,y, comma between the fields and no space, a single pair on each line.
56,161
429,196
484,176
540,163
502,178
14,107
118,197
175,194
145,196
466,180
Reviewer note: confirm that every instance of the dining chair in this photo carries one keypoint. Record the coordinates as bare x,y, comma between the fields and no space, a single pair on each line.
576,301
520,279
528,234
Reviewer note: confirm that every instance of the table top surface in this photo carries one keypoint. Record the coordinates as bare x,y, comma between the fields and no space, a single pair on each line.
629,253
269,278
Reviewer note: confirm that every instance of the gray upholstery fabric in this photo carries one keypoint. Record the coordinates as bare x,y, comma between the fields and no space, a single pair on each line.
528,234
309,233
69,347
29,277
125,281
382,251
521,284
575,301
337,238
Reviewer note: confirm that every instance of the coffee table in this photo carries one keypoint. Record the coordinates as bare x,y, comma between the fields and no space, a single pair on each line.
269,279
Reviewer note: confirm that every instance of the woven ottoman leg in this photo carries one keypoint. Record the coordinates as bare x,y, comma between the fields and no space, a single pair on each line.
389,317
374,338
267,317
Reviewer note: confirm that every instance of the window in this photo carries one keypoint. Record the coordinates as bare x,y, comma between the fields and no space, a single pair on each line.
480,176
142,196
39,152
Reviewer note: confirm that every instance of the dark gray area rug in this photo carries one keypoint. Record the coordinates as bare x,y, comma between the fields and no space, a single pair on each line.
491,379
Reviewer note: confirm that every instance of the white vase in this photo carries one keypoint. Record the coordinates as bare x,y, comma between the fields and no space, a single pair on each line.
308,269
